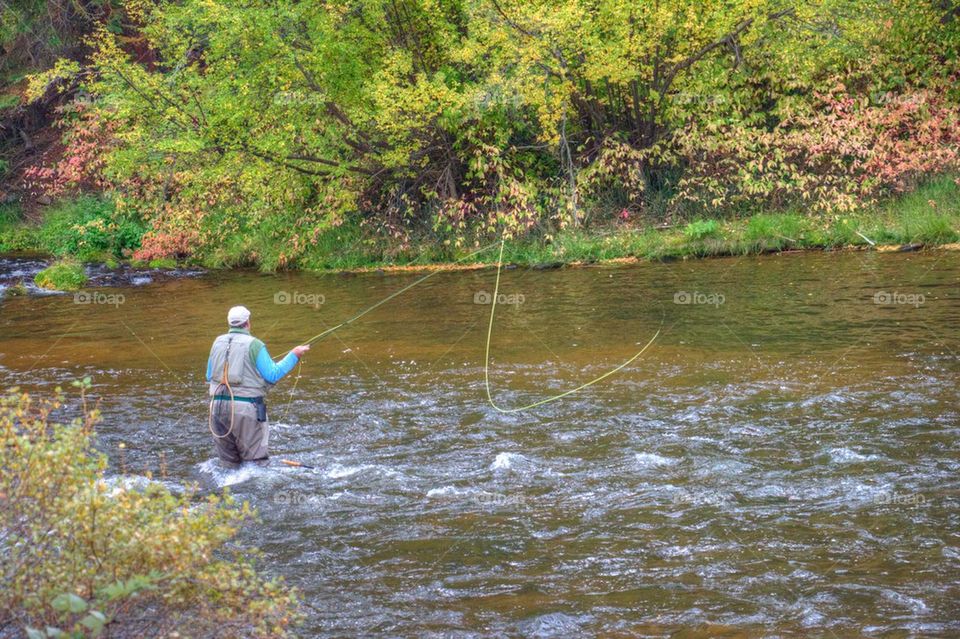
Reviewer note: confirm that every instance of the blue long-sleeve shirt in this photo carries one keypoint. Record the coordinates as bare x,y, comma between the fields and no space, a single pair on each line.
271,371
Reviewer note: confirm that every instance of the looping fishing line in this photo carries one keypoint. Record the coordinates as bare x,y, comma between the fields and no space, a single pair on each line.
486,360
552,398
224,381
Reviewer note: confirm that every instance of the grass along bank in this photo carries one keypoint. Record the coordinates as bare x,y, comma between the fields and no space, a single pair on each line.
928,216
87,229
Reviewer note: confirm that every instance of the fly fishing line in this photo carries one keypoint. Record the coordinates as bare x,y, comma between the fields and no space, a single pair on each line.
486,362
552,398
403,290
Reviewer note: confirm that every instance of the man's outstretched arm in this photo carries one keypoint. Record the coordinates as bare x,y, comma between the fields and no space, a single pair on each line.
272,371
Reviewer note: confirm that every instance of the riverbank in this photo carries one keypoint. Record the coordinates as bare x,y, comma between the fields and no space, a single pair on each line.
616,261
926,217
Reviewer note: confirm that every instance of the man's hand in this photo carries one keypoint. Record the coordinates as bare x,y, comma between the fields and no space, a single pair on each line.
300,350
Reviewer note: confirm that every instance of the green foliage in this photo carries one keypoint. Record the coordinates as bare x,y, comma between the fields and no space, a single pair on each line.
929,228
269,124
771,232
35,31
16,290
83,552
14,234
9,214
8,101
93,623
841,231
257,134
700,229
65,275
87,227
342,247
63,70
931,214
162,263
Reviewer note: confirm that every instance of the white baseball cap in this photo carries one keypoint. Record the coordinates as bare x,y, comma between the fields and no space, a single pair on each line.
238,316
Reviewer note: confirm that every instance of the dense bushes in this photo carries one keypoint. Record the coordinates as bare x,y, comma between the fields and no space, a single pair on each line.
248,132
14,235
86,228
839,156
89,227
82,553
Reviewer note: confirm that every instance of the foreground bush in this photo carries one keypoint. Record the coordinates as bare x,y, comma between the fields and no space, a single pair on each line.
87,558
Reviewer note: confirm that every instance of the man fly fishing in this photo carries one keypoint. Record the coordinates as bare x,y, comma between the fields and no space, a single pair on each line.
240,372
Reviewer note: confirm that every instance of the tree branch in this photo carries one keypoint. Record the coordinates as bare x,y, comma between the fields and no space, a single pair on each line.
726,40
556,53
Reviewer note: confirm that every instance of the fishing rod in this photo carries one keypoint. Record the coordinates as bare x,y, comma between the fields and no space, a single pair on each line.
329,331
403,290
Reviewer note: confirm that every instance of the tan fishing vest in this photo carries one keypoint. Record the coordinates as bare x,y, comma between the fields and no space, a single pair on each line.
234,350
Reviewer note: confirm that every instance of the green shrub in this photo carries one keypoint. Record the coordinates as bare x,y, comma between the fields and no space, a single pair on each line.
843,232
9,213
64,275
18,238
89,227
929,227
341,247
14,234
928,214
701,229
81,553
226,239
773,231
16,290
9,101
162,262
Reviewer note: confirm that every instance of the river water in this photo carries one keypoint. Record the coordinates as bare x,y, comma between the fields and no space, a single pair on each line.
783,461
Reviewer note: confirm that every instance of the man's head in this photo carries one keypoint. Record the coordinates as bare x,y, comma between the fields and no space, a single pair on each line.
239,317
